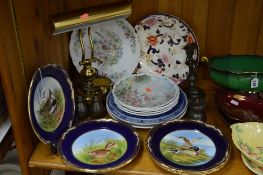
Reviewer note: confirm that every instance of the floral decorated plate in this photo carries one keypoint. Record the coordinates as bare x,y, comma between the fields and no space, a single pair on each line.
166,43
252,166
50,103
99,146
153,111
248,138
145,92
147,121
115,44
188,147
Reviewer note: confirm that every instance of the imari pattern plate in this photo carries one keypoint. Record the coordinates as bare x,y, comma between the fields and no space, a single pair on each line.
166,44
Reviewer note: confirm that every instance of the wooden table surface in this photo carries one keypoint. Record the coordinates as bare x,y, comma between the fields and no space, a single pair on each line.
142,164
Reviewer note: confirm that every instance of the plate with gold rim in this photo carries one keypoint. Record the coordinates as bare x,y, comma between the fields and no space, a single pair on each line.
98,146
188,147
167,42
51,103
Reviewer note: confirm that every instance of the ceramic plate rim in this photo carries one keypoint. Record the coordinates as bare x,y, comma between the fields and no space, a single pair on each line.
184,98
172,169
245,161
235,141
135,55
177,90
182,21
71,103
131,157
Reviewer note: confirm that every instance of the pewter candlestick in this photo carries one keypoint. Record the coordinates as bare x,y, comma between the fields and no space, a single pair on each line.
196,96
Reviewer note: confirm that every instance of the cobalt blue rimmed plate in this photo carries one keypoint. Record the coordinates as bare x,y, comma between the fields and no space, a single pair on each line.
188,147
50,103
99,145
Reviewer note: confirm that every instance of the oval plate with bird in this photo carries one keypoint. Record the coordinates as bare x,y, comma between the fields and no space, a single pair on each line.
188,147
50,103
99,146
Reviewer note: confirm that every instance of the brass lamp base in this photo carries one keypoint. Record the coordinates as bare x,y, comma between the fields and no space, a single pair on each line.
91,92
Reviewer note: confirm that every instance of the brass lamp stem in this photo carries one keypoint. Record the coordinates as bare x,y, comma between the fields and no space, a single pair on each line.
92,57
91,44
80,34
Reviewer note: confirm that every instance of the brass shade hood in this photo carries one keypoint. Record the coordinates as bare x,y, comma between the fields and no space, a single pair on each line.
78,19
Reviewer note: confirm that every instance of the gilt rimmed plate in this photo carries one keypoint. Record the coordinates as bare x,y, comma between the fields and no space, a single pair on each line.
115,44
166,44
145,92
99,145
188,147
50,103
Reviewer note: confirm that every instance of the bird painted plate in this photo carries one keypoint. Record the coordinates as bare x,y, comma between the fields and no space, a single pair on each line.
50,103
166,44
188,147
115,44
98,146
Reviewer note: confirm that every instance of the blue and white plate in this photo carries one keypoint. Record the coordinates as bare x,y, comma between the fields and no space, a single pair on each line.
150,123
147,120
50,103
99,146
188,147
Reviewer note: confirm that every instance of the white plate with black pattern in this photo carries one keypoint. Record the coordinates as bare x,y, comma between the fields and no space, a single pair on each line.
166,44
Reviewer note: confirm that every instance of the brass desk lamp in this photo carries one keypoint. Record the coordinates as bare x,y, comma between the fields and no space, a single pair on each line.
91,86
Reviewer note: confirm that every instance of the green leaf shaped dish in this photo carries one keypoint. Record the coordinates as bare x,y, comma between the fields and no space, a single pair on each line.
237,72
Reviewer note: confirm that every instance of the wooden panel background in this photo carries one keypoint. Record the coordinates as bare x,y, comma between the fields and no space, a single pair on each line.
221,26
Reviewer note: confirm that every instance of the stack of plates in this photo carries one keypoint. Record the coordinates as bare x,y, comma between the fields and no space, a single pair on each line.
146,100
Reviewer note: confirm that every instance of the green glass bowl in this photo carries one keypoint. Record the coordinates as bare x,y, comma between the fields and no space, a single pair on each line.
237,71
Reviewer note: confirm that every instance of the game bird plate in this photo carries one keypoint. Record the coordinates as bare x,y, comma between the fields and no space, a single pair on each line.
50,103
98,146
188,147
166,44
